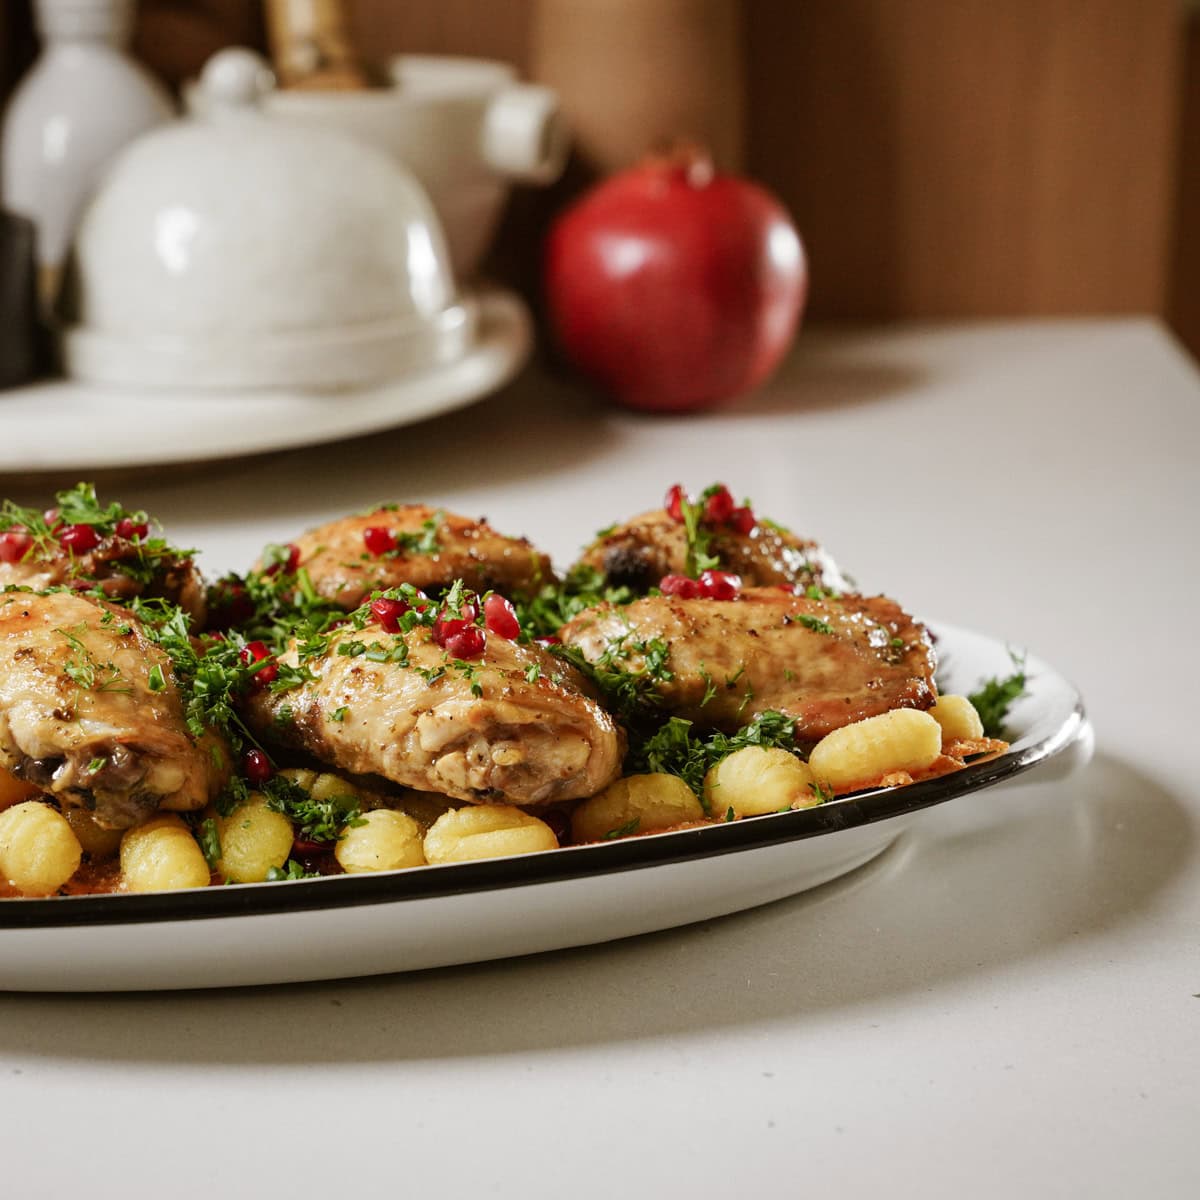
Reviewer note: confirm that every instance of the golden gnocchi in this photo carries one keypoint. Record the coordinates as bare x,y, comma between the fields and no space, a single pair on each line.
636,804
39,851
486,831
161,855
255,839
958,718
384,840
855,755
757,780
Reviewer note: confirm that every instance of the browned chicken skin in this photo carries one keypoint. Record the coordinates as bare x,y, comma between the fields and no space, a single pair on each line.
826,662
83,715
345,571
642,550
513,726
118,567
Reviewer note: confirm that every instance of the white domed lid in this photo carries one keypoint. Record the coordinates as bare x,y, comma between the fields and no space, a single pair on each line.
237,251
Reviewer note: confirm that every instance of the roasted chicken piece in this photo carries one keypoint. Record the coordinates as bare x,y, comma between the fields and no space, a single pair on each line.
413,543
114,552
89,711
640,552
511,726
826,662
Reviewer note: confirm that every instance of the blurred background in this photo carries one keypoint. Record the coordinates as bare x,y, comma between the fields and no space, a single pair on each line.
942,158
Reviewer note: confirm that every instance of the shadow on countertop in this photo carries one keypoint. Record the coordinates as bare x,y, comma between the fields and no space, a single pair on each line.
974,890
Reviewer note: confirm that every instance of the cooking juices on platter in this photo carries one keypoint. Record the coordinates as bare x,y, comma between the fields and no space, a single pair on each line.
406,686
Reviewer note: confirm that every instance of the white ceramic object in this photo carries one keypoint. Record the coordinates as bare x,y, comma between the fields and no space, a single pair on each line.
66,425
498,908
240,252
84,99
465,127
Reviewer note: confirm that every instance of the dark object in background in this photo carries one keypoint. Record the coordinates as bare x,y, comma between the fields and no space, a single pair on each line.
22,342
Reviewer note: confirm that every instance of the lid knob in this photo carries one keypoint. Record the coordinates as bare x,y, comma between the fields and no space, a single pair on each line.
235,78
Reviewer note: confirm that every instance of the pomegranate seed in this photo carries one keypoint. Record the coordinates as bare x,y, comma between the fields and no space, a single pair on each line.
14,545
128,528
500,617
673,502
254,652
468,642
742,520
720,585
719,506
256,767
388,613
549,640
378,539
79,539
679,585
52,517
446,628
289,564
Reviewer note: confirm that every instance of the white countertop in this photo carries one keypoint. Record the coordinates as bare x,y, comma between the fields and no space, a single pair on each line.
995,1008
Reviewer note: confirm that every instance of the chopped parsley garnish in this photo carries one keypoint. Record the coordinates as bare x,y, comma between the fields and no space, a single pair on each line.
630,691
996,696
339,714
675,749
822,794
557,603
289,871
85,671
315,820
469,672
209,672
625,830
425,542
698,557
816,624
210,841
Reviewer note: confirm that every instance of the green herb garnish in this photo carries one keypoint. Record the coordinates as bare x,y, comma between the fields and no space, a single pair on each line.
996,696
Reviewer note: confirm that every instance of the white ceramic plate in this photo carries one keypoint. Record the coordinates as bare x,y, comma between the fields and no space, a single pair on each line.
471,912
65,425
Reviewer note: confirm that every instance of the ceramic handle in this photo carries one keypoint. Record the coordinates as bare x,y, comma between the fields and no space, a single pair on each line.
524,134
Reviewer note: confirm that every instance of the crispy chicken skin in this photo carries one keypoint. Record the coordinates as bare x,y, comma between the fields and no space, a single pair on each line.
825,662
513,739
344,571
118,568
641,551
80,715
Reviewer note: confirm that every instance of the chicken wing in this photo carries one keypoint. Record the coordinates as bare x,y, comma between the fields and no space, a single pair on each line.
513,725
89,711
349,558
640,552
826,662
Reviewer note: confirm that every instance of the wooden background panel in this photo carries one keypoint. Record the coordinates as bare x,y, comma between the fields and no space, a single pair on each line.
942,157
492,29
969,157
